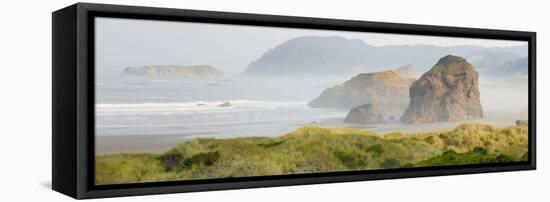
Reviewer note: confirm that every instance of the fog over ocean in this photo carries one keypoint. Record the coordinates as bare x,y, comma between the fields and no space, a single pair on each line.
191,108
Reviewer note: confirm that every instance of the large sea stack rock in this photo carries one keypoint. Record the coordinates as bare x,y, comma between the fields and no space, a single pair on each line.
195,71
364,114
447,92
388,90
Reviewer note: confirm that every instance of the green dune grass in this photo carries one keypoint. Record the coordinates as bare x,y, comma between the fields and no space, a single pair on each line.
312,150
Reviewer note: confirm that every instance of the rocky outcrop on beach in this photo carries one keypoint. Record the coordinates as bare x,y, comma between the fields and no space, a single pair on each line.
195,71
388,90
447,92
364,114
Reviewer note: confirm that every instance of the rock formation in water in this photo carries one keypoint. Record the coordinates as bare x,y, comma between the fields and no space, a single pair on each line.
447,92
196,71
364,114
225,104
388,90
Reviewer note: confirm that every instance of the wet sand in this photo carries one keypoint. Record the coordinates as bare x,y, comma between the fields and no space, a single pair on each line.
136,143
161,143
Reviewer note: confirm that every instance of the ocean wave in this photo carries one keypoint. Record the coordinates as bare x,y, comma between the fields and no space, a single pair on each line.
195,106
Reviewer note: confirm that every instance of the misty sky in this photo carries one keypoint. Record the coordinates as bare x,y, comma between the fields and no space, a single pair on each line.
230,48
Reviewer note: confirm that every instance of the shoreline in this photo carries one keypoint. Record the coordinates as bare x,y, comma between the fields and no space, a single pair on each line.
135,144
157,144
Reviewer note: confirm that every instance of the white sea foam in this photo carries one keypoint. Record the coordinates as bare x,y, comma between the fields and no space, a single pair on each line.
195,107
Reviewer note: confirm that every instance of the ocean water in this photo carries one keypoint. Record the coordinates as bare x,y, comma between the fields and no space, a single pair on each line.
191,108
258,107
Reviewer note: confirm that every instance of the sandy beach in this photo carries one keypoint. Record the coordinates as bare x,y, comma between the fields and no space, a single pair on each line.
161,143
136,143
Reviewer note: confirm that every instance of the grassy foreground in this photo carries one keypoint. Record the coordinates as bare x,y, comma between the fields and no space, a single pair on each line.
312,149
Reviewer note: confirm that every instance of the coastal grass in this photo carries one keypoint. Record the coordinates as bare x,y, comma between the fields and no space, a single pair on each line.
313,150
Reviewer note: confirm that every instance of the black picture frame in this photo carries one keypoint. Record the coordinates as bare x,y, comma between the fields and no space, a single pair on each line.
73,99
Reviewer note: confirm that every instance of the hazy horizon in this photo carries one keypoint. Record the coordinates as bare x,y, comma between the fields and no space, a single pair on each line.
128,42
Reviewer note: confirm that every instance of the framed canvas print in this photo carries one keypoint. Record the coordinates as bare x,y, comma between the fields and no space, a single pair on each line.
155,100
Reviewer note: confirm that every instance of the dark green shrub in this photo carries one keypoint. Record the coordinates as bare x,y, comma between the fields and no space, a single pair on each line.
206,159
376,150
176,162
479,150
429,139
170,161
271,144
351,161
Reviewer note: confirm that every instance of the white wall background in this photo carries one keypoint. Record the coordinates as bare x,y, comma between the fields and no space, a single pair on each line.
25,96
